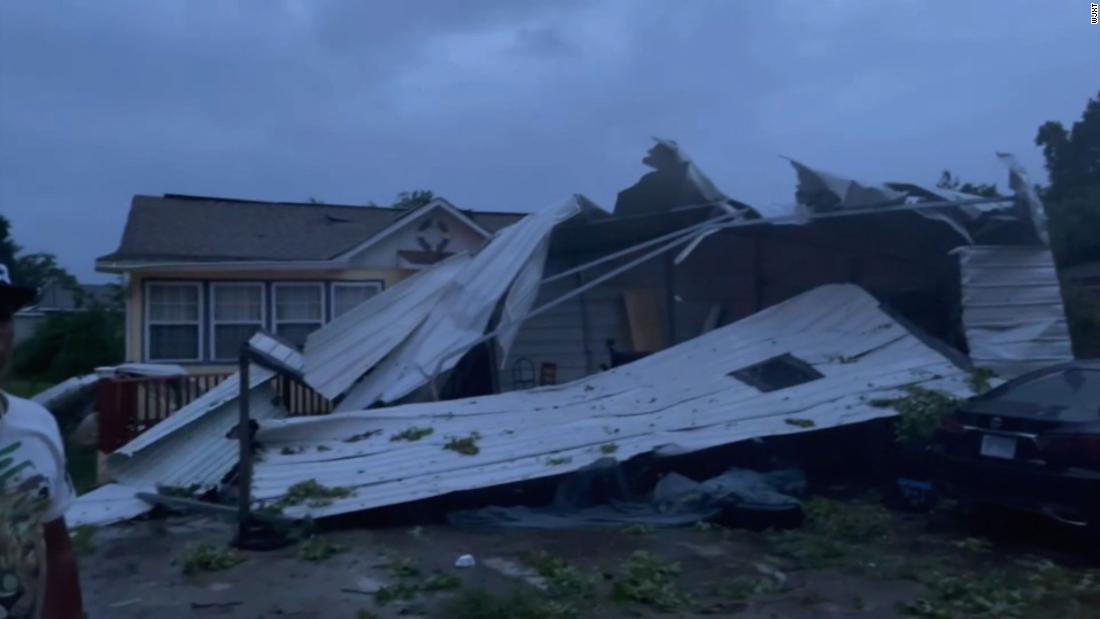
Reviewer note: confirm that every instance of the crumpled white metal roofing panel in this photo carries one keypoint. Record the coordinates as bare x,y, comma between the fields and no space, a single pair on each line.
105,505
190,447
460,316
1012,309
678,400
339,353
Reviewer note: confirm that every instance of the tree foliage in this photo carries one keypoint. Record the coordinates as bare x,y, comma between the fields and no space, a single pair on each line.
71,344
1073,197
33,270
413,199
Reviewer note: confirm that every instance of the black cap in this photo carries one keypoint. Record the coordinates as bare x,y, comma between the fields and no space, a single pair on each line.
13,298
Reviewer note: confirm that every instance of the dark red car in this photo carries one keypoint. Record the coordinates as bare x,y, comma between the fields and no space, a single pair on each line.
1032,444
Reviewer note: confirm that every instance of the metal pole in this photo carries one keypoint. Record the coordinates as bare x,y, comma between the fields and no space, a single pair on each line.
244,439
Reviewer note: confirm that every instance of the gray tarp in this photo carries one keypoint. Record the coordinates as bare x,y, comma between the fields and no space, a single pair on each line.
597,496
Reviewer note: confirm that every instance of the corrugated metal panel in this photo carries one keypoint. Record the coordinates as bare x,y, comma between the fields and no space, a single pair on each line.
1012,309
190,447
462,313
337,354
680,399
105,505
196,454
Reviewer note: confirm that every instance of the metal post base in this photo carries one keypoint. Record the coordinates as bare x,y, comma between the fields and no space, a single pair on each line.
262,536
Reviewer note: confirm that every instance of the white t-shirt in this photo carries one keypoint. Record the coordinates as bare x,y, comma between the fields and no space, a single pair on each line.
34,489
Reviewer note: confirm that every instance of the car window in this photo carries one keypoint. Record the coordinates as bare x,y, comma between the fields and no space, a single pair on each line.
1073,389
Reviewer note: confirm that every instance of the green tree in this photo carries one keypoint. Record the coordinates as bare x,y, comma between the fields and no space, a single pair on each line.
34,270
1073,196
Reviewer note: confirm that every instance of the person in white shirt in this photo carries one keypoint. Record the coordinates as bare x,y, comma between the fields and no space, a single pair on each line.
38,574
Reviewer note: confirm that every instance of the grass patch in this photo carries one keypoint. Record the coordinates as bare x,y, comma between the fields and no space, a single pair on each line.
563,579
399,592
210,558
465,446
649,580
480,604
834,533
403,568
316,548
411,434
442,582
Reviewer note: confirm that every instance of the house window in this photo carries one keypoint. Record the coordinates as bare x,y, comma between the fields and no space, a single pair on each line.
174,322
299,310
347,295
777,373
237,311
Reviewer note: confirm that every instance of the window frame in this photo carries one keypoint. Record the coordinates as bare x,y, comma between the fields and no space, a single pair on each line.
275,322
215,323
199,323
378,285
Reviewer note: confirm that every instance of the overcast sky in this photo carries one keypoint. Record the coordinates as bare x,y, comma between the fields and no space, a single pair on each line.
508,104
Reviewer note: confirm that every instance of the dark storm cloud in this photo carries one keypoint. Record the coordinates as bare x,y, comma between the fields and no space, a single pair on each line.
506,104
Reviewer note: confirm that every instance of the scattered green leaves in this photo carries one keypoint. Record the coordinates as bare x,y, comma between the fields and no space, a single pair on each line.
440,581
411,434
397,592
480,604
563,579
608,448
290,451
919,414
310,493
316,548
188,492
210,558
974,545
465,446
801,423
558,461
639,529
403,568
978,380
647,579
82,541
834,532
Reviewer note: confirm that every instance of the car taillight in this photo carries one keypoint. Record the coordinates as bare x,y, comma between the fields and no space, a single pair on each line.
1073,449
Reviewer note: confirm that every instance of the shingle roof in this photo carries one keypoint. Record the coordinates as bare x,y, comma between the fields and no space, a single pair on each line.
196,229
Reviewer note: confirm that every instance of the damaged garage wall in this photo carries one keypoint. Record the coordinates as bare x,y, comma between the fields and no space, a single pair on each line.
1012,309
816,361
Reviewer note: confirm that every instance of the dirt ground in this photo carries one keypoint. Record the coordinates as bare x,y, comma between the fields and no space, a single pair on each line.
850,560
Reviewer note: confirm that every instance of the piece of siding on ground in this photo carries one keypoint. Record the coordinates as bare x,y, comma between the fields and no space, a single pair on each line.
1012,309
679,400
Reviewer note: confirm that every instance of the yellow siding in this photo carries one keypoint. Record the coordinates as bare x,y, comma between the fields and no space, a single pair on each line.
135,301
